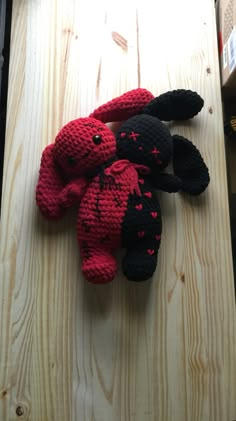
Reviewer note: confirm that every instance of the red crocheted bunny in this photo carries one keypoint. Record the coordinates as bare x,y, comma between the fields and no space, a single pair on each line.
111,180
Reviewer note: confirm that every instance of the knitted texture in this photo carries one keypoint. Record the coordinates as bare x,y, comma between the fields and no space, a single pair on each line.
141,233
144,139
123,107
111,179
103,199
167,182
175,105
82,145
104,214
49,186
189,166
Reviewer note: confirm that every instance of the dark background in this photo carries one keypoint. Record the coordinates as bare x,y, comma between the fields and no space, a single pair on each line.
5,33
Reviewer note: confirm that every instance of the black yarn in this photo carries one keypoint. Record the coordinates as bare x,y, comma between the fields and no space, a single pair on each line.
189,166
138,265
144,139
180,104
152,135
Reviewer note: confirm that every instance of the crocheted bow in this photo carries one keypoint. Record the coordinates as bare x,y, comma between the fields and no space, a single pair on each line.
120,166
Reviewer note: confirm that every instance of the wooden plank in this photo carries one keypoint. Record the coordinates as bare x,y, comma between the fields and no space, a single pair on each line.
164,350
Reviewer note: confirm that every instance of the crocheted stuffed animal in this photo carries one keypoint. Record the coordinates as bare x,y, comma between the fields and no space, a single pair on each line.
112,179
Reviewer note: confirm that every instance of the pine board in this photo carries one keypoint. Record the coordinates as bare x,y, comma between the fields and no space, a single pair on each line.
161,351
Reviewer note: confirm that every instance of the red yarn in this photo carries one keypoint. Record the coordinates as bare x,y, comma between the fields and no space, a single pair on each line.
116,207
81,146
119,166
123,107
100,219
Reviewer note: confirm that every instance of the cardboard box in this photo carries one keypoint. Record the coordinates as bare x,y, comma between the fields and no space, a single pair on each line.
230,146
227,44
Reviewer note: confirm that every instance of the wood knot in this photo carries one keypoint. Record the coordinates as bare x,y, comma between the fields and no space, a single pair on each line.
21,410
182,277
3,394
208,70
68,31
210,110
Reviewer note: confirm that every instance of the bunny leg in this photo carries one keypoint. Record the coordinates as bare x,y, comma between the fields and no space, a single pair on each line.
99,265
141,236
140,261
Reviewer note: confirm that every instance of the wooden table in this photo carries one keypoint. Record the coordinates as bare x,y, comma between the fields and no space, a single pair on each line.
161,351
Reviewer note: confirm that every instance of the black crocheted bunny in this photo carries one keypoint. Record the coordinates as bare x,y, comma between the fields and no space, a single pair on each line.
143,139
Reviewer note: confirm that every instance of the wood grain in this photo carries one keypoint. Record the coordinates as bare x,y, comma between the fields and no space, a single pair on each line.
161,351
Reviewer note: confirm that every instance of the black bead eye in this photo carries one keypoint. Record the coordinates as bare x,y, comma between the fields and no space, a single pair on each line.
71,161
97,139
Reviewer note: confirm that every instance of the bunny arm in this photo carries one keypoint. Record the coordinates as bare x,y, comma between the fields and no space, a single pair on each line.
73,192
191,174
166,182
53,193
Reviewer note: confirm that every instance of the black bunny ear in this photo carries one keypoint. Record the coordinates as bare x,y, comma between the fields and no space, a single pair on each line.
175,105
189,166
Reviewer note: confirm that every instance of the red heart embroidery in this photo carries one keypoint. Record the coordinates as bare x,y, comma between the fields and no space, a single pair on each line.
140,148
158,237
150,251
139,207
141,181
154,214
123,134
141,234
148,194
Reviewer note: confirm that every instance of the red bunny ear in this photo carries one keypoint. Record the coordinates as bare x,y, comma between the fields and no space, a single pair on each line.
50,184
124,106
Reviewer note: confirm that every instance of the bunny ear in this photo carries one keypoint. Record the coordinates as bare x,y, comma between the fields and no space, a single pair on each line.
123,107
189,166
49,186
175,105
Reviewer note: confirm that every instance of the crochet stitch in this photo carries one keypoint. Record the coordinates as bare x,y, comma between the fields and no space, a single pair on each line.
112,179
